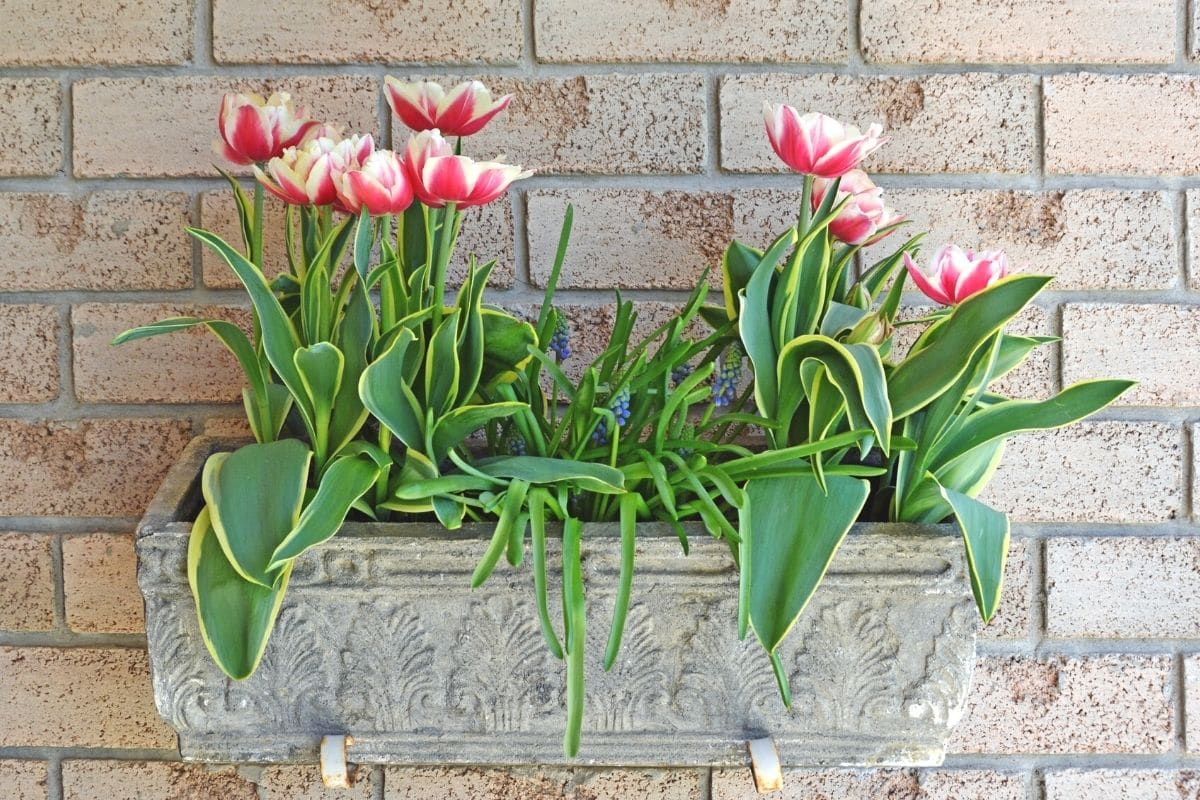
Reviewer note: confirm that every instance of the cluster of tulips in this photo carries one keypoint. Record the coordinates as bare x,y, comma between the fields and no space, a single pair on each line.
307,163
817,145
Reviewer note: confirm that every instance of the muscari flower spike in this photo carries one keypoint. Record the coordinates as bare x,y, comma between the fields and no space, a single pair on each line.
560,341
729,375
680,374
620,409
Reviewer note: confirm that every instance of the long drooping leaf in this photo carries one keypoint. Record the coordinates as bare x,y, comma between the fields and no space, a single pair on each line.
346,480
388,398
354,339
452,429
795,529
510,511
628,520
236,616
279,337
254,496
924,375
1015,416
589,477
575,633
985,532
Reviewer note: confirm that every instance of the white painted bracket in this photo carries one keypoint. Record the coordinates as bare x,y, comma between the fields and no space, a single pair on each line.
335,771
764,763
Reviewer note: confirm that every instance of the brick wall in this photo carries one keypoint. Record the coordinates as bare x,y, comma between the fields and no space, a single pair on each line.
1067,131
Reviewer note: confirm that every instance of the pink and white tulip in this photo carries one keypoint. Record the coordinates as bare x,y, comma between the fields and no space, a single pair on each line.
955,274
440,177
308,175
861,219
255,129
814,144
462,111
380,185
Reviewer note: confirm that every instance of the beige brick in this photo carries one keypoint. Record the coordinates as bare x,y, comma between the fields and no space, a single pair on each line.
143,780
1092,472
844,784
1015,617
486,231
100,584
282,31
29,334
1053,233
1019,31
303,782
189,366
1152,344
965,123
165,126
228,427
602,124
1123,587
1158,134
107,32
628,238
730,30
1094,704
97,467
1035,379
1191,701
107,241
31,126
23,780
453,783
78,697
1193,244
1126,784
26,584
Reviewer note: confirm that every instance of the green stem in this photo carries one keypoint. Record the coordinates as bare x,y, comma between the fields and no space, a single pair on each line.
805,206
256,241
445,237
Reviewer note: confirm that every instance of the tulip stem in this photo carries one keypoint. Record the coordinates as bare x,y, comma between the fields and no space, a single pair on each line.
256,240
806,206
445,237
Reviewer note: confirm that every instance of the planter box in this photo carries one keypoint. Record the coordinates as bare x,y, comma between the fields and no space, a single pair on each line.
381,637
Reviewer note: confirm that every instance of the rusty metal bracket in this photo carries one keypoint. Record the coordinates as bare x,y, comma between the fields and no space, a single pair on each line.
335,771
764,763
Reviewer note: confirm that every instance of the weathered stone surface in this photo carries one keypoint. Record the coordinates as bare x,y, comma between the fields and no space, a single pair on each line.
98,32
30,126
29,340
878,674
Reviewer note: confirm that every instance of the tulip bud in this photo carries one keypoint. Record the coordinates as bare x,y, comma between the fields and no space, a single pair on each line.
864,215
380,185
462,111
815,144
256,129
873,329
955,274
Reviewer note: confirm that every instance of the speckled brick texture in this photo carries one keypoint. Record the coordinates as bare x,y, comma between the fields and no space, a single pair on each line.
1063,131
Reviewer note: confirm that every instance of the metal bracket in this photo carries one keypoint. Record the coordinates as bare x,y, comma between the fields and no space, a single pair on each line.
764,763
335,771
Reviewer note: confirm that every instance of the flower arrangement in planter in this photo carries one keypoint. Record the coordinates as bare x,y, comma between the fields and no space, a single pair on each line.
376,394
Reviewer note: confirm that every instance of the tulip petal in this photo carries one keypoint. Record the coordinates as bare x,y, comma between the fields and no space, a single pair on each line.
922,281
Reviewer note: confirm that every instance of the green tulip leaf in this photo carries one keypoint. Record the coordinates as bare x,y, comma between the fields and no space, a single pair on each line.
535,470
985,533
346,480
452,429
254,495
385,395
236,617
506,343
320,368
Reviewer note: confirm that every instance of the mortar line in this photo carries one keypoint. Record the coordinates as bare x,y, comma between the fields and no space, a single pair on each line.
712,122
58,576
1183,31
706,783
848,67
854,51
1037,632
42,753
1039,132
54,777
1036,784
378,779
528,59
1189,472
1182,231
67,126
202,35
721,180
1179,704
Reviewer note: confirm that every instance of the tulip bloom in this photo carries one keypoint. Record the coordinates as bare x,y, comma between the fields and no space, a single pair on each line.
440,177
865,213
380,185
308,175
255,129
462,111
955,274
815,144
